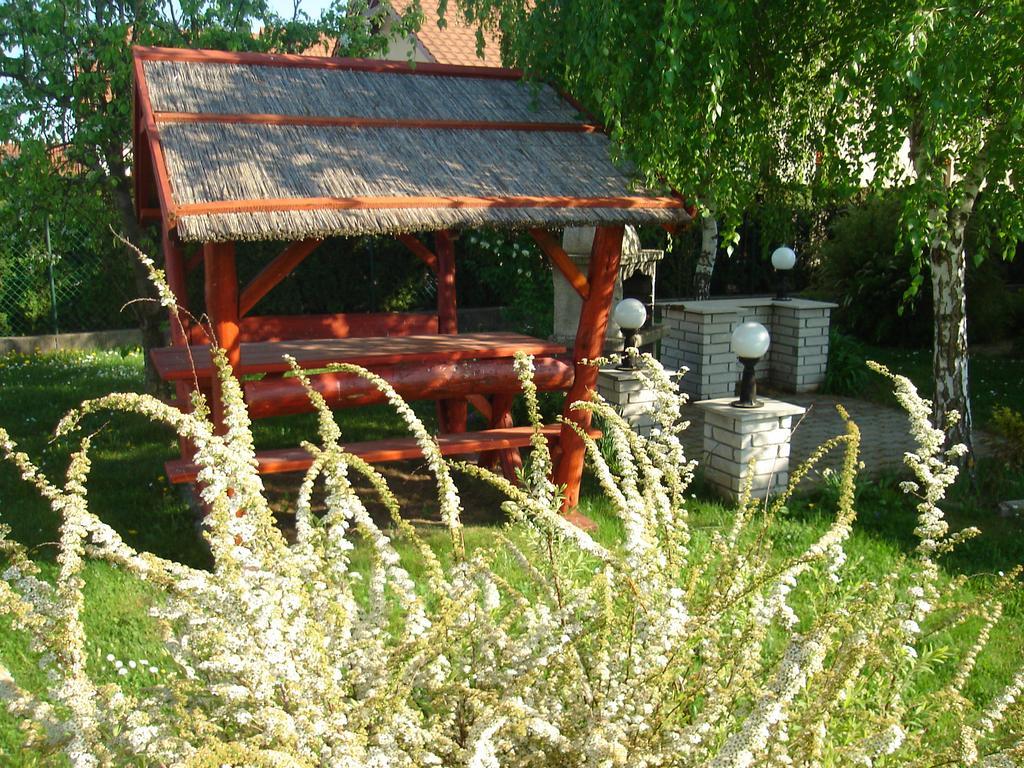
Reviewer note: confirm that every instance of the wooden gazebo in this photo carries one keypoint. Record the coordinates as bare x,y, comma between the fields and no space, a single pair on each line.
232,147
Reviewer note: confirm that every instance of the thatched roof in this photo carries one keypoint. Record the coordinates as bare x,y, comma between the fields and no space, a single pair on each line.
258,147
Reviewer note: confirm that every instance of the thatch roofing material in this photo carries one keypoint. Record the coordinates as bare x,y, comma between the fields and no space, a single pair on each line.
186,86
292,162
257,180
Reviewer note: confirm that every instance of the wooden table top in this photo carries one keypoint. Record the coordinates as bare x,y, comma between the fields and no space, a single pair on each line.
175,363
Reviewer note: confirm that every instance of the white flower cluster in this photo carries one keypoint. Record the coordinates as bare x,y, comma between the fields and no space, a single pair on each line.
653,652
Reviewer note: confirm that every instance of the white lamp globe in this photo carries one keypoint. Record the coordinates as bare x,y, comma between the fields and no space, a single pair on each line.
783,258
750,340
630,314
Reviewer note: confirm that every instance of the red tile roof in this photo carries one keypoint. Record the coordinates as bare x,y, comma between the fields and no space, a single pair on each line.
456,43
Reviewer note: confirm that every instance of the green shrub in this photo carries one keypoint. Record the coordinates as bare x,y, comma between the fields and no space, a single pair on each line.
847,373
862,269
1009,425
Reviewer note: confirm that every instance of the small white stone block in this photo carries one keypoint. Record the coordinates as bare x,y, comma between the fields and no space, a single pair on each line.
747,444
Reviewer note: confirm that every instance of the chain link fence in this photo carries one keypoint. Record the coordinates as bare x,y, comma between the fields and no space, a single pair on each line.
60,277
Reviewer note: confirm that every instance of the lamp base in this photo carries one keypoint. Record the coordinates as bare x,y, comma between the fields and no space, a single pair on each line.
628,363
743,404
748,386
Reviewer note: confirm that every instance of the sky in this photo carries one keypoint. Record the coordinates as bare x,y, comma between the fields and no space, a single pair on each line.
312,7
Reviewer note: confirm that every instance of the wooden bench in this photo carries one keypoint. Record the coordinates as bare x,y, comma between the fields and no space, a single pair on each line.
374,451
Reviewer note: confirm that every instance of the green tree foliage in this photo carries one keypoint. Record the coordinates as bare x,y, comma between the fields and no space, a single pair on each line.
930,101
712,99
66,79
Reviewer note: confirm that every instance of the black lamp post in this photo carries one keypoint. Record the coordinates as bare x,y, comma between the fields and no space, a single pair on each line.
749,342
783,259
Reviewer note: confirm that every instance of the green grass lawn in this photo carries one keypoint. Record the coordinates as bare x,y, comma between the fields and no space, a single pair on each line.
128,490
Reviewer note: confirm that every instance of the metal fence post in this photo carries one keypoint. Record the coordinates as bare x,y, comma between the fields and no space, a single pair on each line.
53,288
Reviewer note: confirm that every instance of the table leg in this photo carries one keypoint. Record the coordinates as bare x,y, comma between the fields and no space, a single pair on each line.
509,458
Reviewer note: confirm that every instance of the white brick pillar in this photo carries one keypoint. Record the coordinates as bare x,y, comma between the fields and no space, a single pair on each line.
626,393
799,350
739,442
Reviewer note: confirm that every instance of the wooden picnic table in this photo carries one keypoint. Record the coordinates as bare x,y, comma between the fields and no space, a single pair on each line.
182,363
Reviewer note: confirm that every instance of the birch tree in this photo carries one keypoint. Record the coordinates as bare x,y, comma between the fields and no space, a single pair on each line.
930,101
706,98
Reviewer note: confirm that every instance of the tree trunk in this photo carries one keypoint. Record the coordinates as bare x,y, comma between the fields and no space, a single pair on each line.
148,313
708,250
949,358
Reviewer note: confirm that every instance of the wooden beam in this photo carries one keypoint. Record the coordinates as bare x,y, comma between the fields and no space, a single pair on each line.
221,287
561,260
340,325
174,268
147,53
266,357
501,418
447,315
272,274
481,404
148,129
604,269
254,118
453,412
420,250
361,202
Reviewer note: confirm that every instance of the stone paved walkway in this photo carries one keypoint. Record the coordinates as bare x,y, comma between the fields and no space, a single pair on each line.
885,431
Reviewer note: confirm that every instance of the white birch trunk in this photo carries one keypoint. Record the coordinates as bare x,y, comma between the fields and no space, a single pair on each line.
708,250
949,354
948,262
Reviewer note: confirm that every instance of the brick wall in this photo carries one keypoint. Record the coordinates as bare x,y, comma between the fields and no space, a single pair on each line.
697,335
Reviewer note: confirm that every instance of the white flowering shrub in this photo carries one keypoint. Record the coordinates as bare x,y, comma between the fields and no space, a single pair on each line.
652,652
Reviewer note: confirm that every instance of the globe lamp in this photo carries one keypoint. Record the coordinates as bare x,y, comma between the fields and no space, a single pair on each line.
630,315
783,260
750,341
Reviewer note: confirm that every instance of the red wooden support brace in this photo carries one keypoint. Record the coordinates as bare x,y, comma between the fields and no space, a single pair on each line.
421,251
222,307
452,414
604,268
562,262
276,271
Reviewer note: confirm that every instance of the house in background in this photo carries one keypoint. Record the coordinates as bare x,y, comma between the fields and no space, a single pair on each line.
454,44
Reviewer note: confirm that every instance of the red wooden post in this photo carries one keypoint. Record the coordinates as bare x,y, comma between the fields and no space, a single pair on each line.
452,414
222,307
604,268
174,268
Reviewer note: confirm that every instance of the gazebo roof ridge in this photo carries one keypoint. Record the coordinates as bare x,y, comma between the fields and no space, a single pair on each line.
245,146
